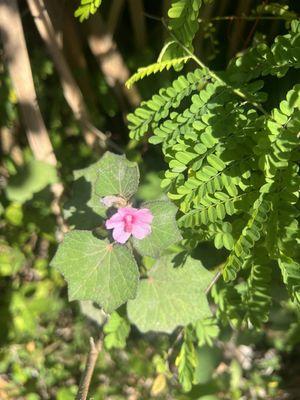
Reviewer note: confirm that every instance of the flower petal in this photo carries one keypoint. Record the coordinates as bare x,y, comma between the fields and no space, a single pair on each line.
114,221
144,215
120,235
123,211
141,230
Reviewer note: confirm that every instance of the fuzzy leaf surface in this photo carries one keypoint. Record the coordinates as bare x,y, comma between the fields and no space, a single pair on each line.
117,176
84,210
173,295
97,271
164,230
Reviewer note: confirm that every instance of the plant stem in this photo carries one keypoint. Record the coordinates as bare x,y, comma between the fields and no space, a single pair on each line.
227,18
214,280
86,377
216,77
241,17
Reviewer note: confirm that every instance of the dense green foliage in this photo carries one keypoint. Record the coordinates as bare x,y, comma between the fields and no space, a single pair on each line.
232,169
207,306
233,165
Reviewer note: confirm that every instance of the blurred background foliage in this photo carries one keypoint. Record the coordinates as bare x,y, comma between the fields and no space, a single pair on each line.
43,337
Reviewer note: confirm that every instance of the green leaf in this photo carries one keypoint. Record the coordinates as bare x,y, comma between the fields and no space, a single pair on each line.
290,270
116,332
206,331
31,178
93,312
87,8
84,210
14,214
11,260
154,68
186,361
117,176
172,295
164,230
96,270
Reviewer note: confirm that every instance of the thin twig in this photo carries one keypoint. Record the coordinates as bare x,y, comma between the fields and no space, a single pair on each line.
152,16
226,18
241,17
258,17
176,341
214,280
86,377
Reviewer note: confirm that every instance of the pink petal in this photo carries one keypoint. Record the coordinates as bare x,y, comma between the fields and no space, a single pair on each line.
144,215
120,235
140,230
114,221
123,211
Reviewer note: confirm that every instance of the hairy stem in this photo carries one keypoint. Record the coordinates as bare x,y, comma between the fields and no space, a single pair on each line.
86,377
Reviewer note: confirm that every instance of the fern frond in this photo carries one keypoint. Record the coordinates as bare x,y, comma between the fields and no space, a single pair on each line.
257,298
183,23
206,331
290,270
156,109
183,125
263,60
250,234
214,208
154,68
186,361
229,302
153,111
87,8
213,175
233,170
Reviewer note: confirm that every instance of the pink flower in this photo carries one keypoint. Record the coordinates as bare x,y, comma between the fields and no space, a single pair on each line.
130,221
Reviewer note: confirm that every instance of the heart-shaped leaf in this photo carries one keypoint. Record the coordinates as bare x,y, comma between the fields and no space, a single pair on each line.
85,210
172,295
96,270
117,176
164,230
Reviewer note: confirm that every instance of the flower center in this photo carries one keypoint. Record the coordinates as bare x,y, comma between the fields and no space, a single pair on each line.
128,219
